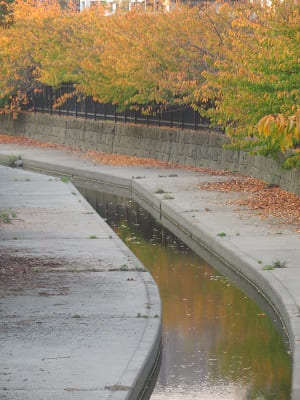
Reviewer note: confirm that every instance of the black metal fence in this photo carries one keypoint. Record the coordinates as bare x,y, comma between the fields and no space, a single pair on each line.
180,117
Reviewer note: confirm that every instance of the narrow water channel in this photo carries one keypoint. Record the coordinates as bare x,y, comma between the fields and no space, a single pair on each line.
217,343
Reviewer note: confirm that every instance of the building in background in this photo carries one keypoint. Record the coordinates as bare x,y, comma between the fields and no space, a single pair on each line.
125,5
152,5
111,5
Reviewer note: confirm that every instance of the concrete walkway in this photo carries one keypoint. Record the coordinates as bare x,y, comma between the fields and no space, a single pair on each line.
198,217
80,316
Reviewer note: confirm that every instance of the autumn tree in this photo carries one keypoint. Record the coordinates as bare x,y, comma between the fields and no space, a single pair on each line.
34,51
236,63
142,58
258,75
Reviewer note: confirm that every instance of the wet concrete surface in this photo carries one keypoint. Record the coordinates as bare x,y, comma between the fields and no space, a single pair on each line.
71,297
198,217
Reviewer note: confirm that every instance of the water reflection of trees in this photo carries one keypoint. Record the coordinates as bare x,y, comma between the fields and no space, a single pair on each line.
214,333
214,324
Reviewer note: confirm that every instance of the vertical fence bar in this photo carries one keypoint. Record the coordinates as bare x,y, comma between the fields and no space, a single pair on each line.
85,108
171,119
195,120
135,119
104,111
67,105
43,98
46,99
76,108
125,116
159,117
115,113
95,113
50,99
182,119
59,108
34,101
147,119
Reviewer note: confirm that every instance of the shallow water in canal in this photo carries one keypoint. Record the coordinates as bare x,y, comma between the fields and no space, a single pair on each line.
217,343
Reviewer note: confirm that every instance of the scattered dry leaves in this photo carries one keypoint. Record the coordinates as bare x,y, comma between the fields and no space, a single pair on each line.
24,141
266,200
14,267
120,159
107,158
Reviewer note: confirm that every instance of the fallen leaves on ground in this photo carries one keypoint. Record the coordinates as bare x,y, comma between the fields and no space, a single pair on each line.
266,200
120,159
108,158
14,267
24,141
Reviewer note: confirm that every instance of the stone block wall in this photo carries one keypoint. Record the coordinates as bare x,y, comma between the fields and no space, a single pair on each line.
201,148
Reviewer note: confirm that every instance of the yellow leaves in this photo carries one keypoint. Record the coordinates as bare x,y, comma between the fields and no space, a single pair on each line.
38,47
286,130
136,57
264,125
191,55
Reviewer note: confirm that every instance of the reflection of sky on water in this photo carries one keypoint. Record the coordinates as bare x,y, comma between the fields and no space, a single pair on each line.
203,392
217,343
185,375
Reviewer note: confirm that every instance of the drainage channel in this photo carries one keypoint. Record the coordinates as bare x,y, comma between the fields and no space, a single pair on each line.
218,344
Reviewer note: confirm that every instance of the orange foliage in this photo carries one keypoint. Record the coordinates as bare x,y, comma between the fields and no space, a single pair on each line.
241,60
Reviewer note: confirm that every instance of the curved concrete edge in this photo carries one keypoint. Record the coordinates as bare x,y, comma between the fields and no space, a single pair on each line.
216,251
267,283
145,361
135,379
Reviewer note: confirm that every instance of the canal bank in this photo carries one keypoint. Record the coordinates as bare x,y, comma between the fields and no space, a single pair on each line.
217,343
80,315
202,219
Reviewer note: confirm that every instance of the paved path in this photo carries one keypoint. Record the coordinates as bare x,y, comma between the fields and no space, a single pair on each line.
249,244
72,298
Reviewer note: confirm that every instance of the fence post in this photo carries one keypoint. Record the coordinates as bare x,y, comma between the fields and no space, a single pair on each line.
147,119
104,111
125,115
85,108
135,119
115,113
95,113
159,116
195,120
171,118
76,108
182,119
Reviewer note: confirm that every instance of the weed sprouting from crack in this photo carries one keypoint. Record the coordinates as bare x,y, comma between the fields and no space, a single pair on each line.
168,197
65,179
11,161
6,217
159,191
221,234
275,264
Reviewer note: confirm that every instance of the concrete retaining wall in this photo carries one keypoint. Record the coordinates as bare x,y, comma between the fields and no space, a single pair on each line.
201,148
